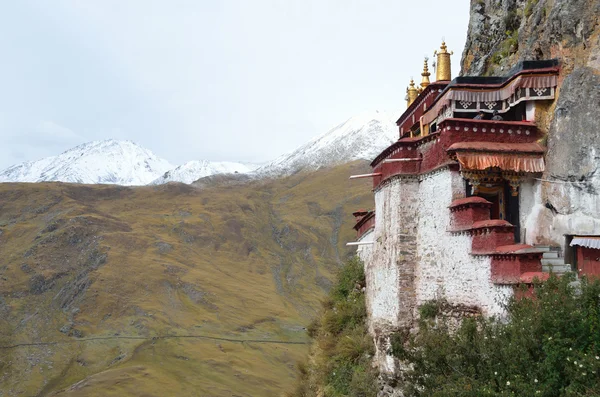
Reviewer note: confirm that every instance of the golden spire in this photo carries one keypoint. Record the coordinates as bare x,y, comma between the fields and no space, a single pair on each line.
443,71
425,74
412,92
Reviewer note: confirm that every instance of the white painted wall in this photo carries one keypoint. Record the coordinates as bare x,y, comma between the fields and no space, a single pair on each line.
364,252
384,276
445,267
382,272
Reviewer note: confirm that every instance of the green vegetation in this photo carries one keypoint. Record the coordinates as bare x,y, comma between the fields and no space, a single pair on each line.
529,7
550,347
512,20
341,360
228,259
509,46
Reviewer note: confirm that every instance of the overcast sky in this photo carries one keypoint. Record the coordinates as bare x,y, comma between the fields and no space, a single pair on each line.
243,80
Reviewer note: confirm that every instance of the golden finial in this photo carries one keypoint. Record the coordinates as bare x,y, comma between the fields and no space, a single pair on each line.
412,92
443,71
425,74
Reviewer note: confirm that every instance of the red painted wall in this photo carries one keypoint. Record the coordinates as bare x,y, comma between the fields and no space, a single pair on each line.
588,261
432,148
368,224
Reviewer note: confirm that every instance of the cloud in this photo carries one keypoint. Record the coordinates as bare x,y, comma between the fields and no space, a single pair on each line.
27,143
46,133
53,132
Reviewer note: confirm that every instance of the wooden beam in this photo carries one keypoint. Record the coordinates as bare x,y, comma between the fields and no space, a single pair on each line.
360,243
400,160
365,175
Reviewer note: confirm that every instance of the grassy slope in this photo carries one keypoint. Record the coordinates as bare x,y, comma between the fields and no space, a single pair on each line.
242,261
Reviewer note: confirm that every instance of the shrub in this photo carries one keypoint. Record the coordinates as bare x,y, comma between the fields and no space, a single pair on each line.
429,309
529,7
549,347
342,349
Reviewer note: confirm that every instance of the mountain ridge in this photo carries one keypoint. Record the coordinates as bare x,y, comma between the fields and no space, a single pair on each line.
111,161
97,162
360,137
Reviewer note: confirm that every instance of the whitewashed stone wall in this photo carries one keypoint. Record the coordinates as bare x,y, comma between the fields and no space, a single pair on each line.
396,208
445,267
390,272
365,252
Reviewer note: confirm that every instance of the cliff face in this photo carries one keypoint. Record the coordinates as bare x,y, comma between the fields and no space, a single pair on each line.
503,32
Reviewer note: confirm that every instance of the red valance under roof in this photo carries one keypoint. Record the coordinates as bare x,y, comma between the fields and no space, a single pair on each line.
493,147
518,157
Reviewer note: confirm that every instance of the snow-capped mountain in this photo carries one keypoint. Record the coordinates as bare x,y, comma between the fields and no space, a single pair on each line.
194,170
361,137
109,161
126,163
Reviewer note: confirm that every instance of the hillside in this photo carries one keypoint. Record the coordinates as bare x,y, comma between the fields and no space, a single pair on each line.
194,170
111,290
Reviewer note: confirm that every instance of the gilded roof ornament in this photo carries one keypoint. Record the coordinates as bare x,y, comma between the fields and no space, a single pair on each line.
412,92
425,80
444,70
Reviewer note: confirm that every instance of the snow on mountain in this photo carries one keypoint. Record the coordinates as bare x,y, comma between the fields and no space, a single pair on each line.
109,161
125,163
361,137
194,170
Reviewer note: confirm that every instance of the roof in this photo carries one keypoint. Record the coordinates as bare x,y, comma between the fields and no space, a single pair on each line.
439,85
469,200
401,142
364,219
523,66
491,223
586,241
497,147
551,66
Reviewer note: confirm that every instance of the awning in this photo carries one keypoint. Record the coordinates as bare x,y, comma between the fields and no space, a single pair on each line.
518,157
486,93
586,241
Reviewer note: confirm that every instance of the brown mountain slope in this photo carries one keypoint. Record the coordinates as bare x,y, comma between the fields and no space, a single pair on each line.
168,290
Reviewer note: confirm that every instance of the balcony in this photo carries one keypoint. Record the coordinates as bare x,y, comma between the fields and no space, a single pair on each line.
491,130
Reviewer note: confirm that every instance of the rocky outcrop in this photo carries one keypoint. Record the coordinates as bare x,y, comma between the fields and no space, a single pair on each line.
503,32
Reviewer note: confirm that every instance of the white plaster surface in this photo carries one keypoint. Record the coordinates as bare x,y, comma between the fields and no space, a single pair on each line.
383,273
445,267
395,206
364,252
415,259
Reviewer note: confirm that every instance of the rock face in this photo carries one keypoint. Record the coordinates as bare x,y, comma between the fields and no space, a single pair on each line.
503,32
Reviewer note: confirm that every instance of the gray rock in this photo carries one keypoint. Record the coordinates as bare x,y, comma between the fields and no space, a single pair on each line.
77,333
543,29
573,145
26,268
163,247
38,284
